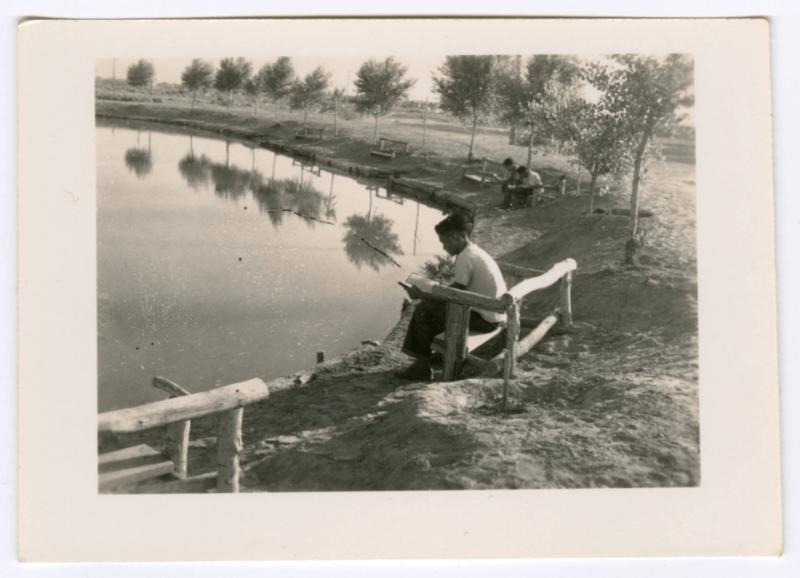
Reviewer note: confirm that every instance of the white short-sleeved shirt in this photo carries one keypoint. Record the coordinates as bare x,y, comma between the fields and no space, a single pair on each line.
532,179
477,271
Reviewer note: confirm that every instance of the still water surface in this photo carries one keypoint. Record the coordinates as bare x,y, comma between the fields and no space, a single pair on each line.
218,262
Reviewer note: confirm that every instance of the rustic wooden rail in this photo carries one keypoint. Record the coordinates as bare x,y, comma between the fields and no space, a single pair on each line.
175,413
457,336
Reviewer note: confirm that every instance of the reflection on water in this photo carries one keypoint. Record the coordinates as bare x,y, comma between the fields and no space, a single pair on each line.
140,160
196,170
195,286
280,196
369,240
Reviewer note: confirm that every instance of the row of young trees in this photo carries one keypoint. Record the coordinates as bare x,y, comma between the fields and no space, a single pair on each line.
380,85
604,114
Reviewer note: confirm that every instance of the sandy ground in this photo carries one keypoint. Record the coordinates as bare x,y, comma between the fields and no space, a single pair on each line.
613,403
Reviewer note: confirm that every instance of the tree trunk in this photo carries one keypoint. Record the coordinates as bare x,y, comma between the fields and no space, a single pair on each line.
637,171
512,135
375,131
591,191
633,246
277,102
577,179
305,116
194,97
335,117
424,124
230,101
472,138
530,149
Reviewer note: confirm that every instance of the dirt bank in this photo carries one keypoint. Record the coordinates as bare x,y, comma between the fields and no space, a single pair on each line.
612,404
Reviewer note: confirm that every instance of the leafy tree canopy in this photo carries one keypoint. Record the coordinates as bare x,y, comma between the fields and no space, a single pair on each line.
197,75
380,86
276,78
647,91
141,73
232,74
311,90
465,84
525,94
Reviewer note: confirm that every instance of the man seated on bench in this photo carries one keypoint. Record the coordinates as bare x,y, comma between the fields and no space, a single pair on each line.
527,182
474,270
508,179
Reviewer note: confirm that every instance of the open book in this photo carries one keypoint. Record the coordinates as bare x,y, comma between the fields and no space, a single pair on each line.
417,280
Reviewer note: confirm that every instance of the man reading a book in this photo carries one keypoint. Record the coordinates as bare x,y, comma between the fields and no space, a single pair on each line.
474,270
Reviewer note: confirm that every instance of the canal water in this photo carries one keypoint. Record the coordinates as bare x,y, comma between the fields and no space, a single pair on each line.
217,262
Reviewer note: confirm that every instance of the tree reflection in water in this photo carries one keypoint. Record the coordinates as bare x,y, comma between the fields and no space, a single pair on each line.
196,170
140,160
371,241
230,182
278,196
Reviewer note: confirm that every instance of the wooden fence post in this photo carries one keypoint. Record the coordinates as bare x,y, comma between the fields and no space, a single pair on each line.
455,340
229,444
177,433
178,446
566,299
512,332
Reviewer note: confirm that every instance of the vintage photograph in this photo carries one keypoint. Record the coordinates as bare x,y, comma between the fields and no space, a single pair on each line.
396,272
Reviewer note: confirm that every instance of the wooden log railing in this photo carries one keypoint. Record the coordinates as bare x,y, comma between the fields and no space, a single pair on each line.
459,303
228,401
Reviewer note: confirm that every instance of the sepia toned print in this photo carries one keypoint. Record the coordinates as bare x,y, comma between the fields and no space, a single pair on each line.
131,232
254,219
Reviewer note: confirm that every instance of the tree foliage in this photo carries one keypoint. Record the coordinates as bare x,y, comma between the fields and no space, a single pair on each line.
380,86
536,97
231,76
276,80
646,94
310,92
465,85
141,73
198,75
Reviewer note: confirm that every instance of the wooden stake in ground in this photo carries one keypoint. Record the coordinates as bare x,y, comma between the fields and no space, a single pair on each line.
566,299
512,333
455,340
177,433
229,445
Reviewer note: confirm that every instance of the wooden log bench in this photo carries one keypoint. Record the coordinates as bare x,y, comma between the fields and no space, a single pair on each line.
486,172
138,463
457,341
309,133
390,148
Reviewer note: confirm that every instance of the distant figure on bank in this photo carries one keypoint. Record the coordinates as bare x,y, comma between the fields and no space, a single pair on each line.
507,180
527,182
474,270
